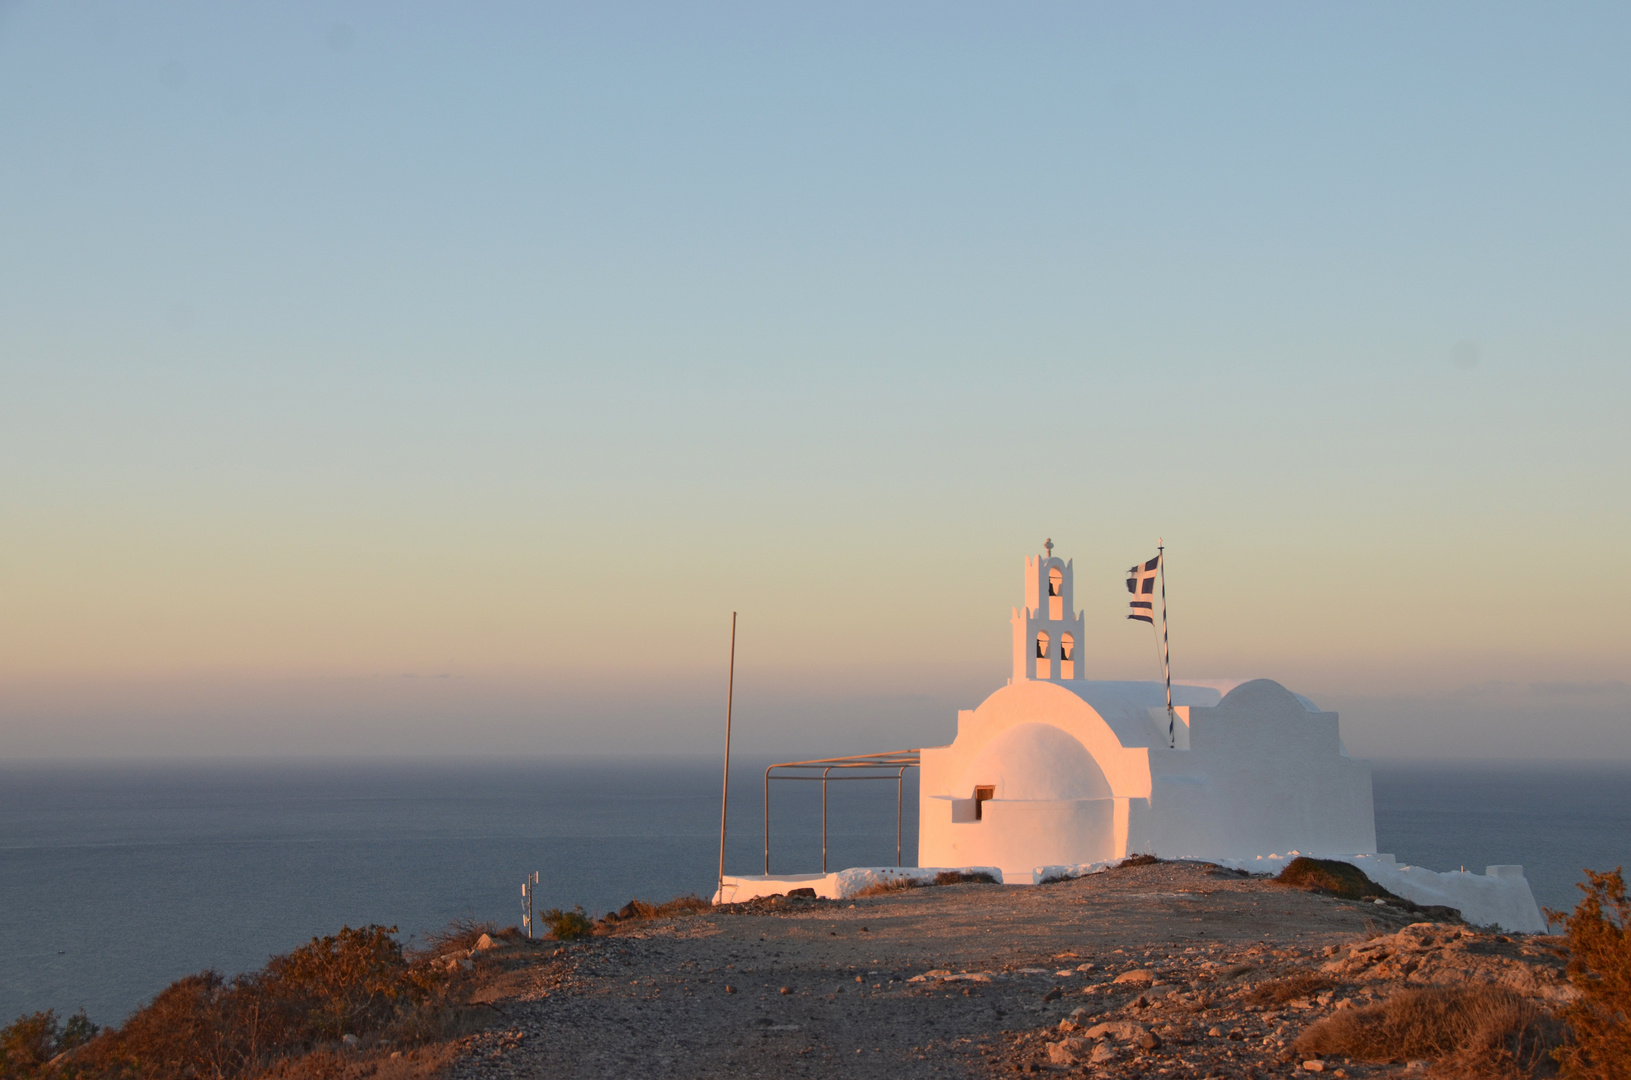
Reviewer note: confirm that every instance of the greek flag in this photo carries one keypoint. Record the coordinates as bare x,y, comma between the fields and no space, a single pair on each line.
1141,583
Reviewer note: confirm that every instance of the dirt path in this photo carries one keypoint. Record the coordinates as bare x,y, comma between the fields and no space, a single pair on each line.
967,980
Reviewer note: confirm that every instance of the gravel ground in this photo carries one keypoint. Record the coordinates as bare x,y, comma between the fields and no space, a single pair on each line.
973,980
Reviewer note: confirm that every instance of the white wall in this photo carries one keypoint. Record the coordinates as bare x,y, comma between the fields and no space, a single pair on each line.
1257,772
1262,774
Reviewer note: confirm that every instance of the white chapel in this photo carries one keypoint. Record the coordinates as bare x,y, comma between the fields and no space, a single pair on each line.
1057,769
1057,774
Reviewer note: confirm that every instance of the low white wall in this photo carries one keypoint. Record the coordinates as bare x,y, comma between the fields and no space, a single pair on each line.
835,886
1071,870
1498,897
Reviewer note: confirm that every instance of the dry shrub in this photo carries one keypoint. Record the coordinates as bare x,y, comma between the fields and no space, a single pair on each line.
193,1027
1598,1035
1138,860
1280,991
893,885
33,1040
567,925
357,982
461,935
965,877
1467,1031
1334,877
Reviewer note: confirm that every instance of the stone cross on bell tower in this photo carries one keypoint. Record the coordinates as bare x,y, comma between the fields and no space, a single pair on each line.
1048,629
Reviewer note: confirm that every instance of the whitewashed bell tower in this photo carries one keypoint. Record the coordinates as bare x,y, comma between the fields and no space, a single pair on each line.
1048,629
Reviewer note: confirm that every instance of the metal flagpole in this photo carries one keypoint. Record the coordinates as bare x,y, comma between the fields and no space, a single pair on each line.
725,797
1166,663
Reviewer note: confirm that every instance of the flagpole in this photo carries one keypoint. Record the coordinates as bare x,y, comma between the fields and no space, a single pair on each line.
1166,662
725,797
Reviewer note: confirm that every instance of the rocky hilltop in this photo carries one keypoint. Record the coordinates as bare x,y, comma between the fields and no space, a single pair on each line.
1160,969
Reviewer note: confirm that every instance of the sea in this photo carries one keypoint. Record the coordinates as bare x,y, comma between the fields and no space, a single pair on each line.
116,879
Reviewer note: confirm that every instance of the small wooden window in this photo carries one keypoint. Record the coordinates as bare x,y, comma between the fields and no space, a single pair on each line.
982,792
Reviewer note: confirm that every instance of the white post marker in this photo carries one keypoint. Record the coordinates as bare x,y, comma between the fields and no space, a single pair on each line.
529,886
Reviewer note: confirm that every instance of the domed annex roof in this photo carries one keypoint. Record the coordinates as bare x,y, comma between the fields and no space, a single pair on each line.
1265,696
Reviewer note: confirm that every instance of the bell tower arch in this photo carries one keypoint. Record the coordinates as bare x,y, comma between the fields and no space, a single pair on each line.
1048,629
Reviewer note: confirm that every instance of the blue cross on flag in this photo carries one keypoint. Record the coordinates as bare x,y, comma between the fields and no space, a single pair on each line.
1141,583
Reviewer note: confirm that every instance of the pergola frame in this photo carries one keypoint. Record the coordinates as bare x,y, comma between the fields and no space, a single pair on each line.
869,767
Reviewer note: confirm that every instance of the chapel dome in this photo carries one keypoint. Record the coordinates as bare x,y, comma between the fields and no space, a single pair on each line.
1036,762
1266,697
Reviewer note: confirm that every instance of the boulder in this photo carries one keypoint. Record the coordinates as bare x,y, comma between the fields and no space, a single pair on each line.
1120,1030
1070,1051
1435,953
484,943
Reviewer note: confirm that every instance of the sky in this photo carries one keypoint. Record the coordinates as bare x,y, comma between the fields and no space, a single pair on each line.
420,380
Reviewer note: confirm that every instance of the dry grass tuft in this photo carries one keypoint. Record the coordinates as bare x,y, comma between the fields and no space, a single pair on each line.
893,885
1138,860
684,905
1280,991
944,877
418,1063
460,935
636,910
1466,1031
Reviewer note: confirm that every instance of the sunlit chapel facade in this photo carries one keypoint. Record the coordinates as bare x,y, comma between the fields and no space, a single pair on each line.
1058,769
